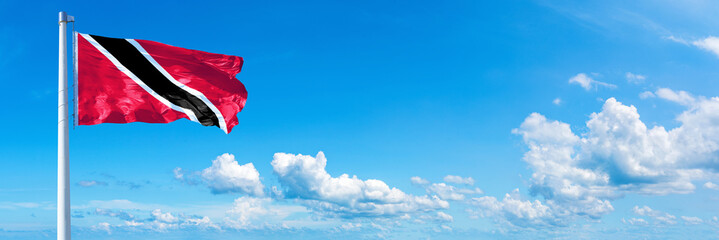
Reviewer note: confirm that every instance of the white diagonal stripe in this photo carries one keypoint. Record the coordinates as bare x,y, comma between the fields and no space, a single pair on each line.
198,94
137,80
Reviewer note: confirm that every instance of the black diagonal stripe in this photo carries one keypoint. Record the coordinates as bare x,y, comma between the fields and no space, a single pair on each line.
134,61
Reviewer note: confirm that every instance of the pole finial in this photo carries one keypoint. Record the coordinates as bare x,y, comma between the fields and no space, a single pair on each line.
63,17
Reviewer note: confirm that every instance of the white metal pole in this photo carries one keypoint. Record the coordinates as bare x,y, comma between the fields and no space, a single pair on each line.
63,165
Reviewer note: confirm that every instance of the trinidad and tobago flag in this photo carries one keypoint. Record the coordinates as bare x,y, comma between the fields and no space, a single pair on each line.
129,80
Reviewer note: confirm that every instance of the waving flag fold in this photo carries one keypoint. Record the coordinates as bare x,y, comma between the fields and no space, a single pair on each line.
129,80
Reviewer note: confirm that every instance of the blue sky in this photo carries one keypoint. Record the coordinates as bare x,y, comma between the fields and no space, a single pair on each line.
451,120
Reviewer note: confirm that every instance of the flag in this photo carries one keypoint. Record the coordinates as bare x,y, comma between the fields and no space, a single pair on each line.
129,80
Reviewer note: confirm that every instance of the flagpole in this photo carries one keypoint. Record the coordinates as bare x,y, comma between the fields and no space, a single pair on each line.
63,165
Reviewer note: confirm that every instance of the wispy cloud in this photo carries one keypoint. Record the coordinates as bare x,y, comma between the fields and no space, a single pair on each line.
458,180
20,205
635,221
86,183
419,181
680,97
710,44
635,78
646,95
660,216
677,40
692,220
588,83
557,101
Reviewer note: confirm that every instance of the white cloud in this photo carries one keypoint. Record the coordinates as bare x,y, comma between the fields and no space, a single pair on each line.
711,185
646,94
459,180
114,213
91,183
557,101
158,220
133,223
256,213
306,179
515,211
18,205
692,220
714,221
660,216
179,174
635,221
350,226
448,192
117,204
677,40
103,226
438,217
203,223
444,217
446,228
246,209
635,78
680,97
167,217
227,176
710,44
588,83
418,180
617,155
445,191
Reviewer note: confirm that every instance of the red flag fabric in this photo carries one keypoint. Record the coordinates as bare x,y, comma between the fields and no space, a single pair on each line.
128,80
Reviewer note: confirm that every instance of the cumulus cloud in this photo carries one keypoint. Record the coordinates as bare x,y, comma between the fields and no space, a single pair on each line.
619,152
245,209
166,217
588,83
227,176
635,78
305,178
515,211
579,175
710,44
557,101
459,180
